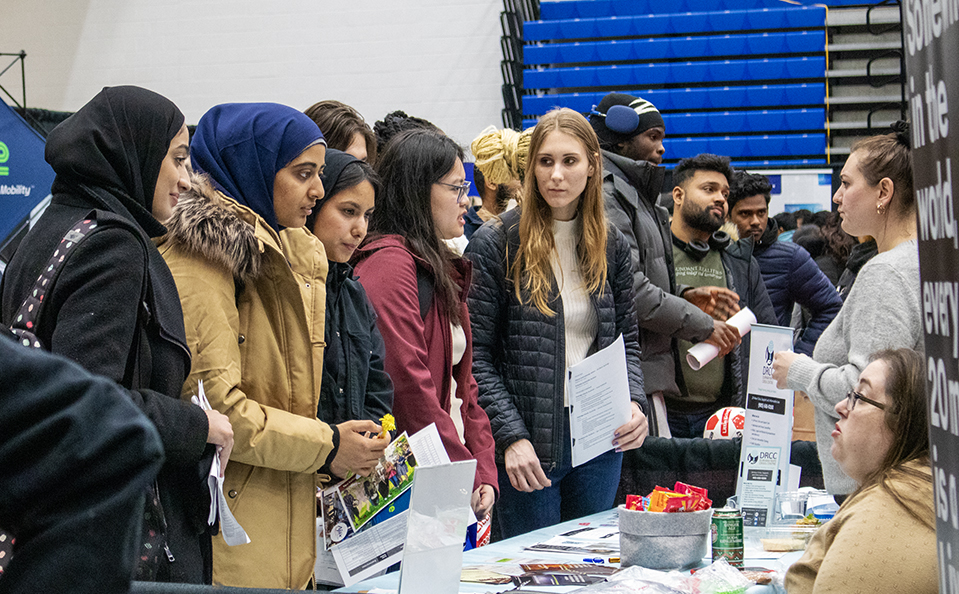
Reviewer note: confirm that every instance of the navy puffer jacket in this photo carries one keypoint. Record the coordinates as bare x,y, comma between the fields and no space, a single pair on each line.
792,276
519,358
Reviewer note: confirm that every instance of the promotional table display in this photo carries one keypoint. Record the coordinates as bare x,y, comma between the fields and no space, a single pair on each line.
764,460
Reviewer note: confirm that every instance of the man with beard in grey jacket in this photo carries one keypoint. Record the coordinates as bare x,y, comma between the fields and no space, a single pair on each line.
631,132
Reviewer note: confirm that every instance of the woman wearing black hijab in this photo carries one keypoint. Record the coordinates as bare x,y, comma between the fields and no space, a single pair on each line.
122,160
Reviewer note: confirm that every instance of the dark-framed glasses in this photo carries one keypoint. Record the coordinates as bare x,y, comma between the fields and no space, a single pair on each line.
853,396
461,189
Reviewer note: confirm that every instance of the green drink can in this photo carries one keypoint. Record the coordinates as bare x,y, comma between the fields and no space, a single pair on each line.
726,533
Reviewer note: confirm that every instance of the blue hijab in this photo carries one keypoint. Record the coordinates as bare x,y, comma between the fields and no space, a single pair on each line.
242,146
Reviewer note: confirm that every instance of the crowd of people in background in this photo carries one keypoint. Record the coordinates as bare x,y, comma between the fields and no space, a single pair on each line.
310,274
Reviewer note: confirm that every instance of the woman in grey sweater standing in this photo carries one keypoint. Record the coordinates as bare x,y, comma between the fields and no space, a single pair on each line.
883,309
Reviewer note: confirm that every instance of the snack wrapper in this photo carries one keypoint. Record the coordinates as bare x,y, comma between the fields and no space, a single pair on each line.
681,498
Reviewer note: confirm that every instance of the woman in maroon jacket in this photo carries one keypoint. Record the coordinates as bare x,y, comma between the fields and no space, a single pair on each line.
418,288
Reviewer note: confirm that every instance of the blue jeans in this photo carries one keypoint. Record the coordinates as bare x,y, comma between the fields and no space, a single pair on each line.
689,423
575,492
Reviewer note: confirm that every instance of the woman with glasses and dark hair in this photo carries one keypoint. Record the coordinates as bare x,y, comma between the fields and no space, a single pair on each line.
883,310
883,539
418,288
553,285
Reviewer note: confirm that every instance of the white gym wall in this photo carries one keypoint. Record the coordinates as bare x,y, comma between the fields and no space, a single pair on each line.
434,59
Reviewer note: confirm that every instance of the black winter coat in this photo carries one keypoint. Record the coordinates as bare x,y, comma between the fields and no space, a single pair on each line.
519,357
355,383
93,316
630,190
744,277
791,276
77,456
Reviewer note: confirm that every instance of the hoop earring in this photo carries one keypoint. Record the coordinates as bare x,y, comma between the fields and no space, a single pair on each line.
880,208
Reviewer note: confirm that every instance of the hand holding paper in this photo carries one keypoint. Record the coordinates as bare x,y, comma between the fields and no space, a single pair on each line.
704,352
232,532
632,435
220,435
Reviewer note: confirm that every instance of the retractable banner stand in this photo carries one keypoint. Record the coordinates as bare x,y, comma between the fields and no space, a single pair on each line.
932,82
764,459
25,177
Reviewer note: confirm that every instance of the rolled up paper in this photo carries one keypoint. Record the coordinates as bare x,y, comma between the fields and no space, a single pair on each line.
702,353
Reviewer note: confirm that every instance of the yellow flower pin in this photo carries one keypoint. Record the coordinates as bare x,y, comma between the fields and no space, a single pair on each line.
388,423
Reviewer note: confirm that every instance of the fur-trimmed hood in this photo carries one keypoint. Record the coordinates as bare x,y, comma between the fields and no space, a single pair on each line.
209,223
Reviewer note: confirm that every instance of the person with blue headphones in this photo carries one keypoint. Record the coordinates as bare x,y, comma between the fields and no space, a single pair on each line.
631,132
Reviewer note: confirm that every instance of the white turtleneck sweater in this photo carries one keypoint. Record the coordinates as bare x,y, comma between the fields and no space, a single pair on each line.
579,316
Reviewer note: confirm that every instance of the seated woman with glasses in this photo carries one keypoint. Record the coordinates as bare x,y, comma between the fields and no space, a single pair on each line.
418,288
883,539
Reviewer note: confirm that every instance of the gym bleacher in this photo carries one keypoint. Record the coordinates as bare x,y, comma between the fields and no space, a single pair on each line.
744,78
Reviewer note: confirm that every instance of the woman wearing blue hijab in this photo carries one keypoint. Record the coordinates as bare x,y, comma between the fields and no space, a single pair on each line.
252,282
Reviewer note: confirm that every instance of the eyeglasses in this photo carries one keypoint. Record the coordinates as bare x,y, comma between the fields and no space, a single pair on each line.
461,189
853,396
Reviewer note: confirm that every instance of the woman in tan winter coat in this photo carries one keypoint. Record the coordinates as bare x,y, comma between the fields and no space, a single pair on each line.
252,282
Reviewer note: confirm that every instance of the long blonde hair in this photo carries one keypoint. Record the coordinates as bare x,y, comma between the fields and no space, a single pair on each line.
531,270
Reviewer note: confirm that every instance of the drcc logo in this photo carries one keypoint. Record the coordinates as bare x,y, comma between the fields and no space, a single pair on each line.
4,155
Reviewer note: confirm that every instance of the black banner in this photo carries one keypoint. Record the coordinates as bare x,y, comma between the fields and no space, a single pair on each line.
931,36
769,404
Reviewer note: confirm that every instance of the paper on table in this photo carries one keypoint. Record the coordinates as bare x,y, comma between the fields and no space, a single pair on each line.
232,532
702,353
598,401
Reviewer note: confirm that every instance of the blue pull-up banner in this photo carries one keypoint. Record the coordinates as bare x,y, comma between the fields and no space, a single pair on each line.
25,177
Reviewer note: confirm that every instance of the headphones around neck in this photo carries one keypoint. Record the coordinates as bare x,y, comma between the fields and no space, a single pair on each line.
698,250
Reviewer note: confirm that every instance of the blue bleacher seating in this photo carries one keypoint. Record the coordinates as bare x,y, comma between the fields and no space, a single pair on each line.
666,48
690,99
676,23
742,78
678,73
771,145
588,9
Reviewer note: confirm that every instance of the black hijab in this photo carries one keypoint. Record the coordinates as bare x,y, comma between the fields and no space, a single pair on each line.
111,151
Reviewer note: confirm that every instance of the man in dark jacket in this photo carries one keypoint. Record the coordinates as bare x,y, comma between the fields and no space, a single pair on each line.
77,457
631,132
790,274
703,256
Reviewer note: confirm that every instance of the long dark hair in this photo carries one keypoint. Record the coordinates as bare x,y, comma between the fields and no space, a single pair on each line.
353,174
907,420
412,162
838,243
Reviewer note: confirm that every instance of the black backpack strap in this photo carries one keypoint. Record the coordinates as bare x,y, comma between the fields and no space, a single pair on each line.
424,290
25,322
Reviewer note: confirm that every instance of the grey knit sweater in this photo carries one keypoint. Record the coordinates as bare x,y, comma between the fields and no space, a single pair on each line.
883,311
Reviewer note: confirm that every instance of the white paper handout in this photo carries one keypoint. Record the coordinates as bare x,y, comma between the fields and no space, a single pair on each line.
233,533
702,353
598,390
